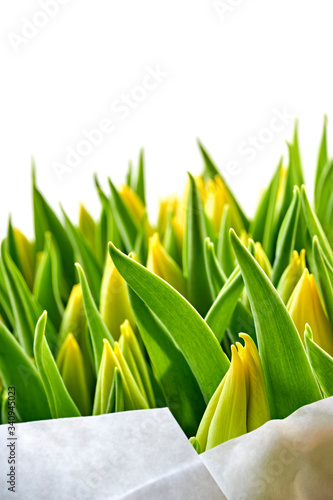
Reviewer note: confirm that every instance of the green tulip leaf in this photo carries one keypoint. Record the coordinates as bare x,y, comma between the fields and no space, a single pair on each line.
288,375
85,257
60,402
17,370
186,327
98,329
286,239
177,381
321,362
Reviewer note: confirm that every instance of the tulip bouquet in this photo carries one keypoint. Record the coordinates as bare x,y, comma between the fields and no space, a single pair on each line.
225,320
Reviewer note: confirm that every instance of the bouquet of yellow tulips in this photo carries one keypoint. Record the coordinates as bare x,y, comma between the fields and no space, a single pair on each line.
225,320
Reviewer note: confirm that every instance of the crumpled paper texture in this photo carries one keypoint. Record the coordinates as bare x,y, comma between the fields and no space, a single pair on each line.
143,455
290,459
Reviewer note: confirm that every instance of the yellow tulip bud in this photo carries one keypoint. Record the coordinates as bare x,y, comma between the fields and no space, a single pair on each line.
229,420
244,237
160,263
139,399
216,199
257,400
133,201
87,227
262,259
305,306
114,303
282,184
225,416
179,231
72,369
74,318
105,378
74,322
135,359
25,256
202,188
167,205
181,213
291,275
240,403
113,359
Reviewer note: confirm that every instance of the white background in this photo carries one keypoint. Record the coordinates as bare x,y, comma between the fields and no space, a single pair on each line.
227,72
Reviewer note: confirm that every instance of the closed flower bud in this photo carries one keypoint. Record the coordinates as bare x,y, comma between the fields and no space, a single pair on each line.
87,227
73,371
256,394
262,259
225,416
291,275
240,403
133,397
135,205
166,206
136,361
114,303
305,306
160,263
74,322
216,199
26,258
104,379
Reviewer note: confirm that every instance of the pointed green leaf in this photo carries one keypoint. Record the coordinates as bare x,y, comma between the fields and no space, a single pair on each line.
315,228
111,230
26,310
141,242
140,180
116,401
198,290
321,162
212,172
60,402
48,281
129,174
272,216
219,315
5,305
127,226
177,381
323,277
286,239
216,277
321,362
324,205
257,225
289,379
98,329
85,257
17,369
187,329
46,220
170,240
224,251
241,319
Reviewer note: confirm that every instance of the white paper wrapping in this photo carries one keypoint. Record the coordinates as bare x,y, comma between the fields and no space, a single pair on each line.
289,459
144,455
130,455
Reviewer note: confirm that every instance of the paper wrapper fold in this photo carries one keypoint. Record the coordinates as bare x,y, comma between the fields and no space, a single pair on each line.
143,455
